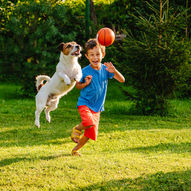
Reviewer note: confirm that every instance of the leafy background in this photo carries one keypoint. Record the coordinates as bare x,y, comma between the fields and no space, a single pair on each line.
31,30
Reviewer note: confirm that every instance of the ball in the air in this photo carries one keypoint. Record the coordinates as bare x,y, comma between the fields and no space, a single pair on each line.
105,36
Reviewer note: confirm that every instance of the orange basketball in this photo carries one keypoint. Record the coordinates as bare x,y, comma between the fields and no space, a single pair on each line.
105,36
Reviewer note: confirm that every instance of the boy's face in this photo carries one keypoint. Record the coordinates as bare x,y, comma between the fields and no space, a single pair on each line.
95,57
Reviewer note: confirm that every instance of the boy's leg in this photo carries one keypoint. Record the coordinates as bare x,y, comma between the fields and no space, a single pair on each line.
80,127
80,144
76,134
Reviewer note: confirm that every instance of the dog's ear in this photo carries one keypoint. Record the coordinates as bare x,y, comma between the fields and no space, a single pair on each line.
60,46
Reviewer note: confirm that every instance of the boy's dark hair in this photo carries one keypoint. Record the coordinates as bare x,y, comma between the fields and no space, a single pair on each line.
91,43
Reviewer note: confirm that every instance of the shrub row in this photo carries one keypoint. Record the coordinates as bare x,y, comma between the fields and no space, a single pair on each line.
31,30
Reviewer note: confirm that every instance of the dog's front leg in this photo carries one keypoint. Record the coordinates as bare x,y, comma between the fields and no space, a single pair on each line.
78,76
65,78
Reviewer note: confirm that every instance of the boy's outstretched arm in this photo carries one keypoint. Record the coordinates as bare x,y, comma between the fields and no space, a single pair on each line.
80,85
117,75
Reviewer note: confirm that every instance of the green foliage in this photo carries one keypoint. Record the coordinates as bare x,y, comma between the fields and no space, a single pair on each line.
157,59
118,14
33,31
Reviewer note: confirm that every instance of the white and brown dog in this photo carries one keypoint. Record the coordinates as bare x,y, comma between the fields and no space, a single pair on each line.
68,71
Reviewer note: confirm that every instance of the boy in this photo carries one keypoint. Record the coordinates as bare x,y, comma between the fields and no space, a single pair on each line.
93,86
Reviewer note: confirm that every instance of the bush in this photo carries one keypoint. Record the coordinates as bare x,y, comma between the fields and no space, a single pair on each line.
33,31
157,60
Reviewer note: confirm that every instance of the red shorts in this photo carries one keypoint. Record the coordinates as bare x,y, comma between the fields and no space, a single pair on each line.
89,118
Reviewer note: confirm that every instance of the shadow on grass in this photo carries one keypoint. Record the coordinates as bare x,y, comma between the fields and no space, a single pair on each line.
59,131
9,91
175,148
10,161
175,181
34,136
129,122
18,129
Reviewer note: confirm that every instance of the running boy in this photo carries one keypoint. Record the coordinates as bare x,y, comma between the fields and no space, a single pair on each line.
93,86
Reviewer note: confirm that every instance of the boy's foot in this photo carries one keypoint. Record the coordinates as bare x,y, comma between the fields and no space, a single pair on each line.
75,136
75,153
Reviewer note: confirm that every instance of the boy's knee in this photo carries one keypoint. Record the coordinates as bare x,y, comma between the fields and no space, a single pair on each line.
89,126
83,126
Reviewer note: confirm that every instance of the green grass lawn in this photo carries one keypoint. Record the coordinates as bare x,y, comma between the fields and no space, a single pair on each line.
132,152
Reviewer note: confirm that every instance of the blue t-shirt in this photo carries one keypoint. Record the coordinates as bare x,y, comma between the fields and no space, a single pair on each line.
93,95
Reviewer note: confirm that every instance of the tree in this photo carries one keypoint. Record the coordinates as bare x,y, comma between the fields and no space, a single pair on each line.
32,31
157,59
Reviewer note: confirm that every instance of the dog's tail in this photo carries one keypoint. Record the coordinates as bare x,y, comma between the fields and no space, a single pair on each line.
40,81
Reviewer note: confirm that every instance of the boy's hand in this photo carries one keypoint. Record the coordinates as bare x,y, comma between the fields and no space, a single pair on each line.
88,79
80,85
110,67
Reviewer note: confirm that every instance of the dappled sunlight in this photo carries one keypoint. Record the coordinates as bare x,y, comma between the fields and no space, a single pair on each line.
132,151
175,180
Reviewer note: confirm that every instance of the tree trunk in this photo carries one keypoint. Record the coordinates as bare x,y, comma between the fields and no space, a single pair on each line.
186,30
92,12
160,35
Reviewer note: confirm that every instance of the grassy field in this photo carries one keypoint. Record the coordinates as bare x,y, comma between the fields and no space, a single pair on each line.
132,152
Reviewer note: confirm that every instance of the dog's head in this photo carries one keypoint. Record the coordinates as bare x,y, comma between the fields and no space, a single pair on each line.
70,49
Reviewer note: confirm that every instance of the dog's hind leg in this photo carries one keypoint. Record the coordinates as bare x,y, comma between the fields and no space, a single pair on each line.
40,105
37,118
53,105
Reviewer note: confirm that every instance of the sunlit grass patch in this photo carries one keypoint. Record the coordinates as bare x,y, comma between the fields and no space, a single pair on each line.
132,152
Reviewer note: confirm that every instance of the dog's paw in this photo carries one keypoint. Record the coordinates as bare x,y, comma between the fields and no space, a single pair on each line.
68,82
37,124
77,79
48,119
